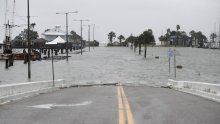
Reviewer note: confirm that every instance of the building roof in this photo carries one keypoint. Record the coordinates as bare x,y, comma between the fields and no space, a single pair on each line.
39,40
56,41
1,42
55,31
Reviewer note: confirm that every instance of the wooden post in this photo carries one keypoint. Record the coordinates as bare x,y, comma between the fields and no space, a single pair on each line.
11,60
56,52
61,51
6,63
40,57
67,49
45,52
48,53
25,58
145,51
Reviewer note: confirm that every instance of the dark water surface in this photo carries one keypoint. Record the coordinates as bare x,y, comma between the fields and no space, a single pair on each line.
108,65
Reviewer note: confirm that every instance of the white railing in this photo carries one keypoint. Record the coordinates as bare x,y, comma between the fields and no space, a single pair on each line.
24,89
200,86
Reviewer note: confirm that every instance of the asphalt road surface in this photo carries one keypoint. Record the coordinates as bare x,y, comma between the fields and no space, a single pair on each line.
112,105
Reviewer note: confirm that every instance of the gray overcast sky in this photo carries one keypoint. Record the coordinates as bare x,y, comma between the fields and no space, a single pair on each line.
121,16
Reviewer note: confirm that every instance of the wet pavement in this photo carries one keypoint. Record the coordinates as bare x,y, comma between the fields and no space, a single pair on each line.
115,64
112,105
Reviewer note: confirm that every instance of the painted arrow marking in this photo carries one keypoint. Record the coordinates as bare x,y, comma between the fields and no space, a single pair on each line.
50,106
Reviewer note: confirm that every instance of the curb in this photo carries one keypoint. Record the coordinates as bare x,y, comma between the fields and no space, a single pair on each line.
206,90
18,91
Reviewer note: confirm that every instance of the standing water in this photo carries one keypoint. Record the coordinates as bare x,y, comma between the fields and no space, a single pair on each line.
119,64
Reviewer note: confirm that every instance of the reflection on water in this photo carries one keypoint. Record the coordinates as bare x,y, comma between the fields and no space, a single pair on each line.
107,65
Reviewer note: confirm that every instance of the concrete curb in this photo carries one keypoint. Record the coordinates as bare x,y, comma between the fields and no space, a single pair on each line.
14,92
205,90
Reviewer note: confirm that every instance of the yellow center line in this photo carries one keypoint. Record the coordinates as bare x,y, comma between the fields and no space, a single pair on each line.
128,108
124,106
120,108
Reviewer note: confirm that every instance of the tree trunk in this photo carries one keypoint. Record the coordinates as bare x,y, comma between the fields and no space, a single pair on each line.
135,47
139,49
145,51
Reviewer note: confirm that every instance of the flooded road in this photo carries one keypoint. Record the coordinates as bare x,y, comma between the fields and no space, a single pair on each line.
119,64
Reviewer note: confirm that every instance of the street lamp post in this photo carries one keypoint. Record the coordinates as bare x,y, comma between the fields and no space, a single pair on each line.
53,68
67,39
28,39
93,33
81,21
89,35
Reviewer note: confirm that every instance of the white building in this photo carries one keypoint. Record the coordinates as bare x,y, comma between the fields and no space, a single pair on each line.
1,46
103,44
52,34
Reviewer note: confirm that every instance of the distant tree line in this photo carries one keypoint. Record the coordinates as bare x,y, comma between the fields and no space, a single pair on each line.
180,38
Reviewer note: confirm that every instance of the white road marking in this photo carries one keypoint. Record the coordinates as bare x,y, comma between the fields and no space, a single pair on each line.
50,106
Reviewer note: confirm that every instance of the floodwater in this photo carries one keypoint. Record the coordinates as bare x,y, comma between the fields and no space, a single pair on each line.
120,64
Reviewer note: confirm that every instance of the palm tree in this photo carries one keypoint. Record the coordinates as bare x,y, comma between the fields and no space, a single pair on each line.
135,42
111,36
147,38
121,37
184,38
193,36
177,29
32,26
74,36
162,38
201,38
213,36
168,36
139,42
130,39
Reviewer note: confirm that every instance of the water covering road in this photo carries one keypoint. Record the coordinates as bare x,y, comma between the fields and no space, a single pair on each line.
116,64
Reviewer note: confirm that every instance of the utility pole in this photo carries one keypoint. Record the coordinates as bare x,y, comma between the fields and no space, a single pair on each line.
89,36
67,38
219,37
93,31
53,68
13,15
6,12
8,35
28,39
81,23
